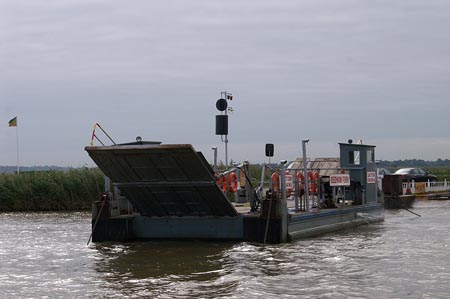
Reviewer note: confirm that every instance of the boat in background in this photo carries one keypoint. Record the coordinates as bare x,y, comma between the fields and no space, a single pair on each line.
393,193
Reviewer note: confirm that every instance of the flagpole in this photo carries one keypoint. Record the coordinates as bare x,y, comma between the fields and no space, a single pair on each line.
17,147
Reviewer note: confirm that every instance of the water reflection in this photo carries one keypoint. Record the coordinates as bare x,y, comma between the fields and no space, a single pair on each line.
159,259
160,268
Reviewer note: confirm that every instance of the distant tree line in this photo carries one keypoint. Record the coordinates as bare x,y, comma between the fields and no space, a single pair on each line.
13,169
413,163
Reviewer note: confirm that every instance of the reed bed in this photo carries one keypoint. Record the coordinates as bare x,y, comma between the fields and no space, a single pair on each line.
72,190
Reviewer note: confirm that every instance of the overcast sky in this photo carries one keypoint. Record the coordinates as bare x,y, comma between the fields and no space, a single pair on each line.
322,70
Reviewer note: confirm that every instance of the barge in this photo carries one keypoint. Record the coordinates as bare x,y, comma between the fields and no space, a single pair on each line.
163,191
393,193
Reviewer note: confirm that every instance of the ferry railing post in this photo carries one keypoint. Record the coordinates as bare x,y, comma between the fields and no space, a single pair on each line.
305,173
263,174
215,157
297,192
226,150
237,172
284,218
283,180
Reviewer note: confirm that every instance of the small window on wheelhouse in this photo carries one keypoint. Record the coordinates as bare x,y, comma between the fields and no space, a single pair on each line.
370,156
353,157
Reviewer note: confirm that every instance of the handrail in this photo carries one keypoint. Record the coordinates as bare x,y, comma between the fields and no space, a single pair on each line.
411,187
95,136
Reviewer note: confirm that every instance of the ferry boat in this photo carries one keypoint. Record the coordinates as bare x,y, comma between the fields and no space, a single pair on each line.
170,191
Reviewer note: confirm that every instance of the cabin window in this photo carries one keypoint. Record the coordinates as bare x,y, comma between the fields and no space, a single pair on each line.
353,157
370,156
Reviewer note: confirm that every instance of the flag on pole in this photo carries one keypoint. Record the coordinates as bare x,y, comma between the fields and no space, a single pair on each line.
13,122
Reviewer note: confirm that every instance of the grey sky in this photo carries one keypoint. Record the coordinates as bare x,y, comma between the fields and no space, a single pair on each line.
324,70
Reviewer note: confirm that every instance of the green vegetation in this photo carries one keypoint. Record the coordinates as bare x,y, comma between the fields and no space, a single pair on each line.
413,163
53,190
442,172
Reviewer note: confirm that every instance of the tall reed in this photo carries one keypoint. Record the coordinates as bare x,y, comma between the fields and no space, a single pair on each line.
75,189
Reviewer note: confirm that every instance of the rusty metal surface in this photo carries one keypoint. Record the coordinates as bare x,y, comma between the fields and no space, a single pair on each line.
325,166
163,180
392,184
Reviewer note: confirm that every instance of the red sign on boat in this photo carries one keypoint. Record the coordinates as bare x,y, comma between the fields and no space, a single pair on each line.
341,179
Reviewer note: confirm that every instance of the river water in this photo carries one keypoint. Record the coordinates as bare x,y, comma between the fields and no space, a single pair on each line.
45,255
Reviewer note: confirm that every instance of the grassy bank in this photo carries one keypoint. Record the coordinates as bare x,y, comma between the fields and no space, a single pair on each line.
50,190
442,172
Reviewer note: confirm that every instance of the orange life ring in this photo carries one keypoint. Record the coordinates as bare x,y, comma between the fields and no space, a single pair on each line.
316,181
313,181
232,182
222,183
275,180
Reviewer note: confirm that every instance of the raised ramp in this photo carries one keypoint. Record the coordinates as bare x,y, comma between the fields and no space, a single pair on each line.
163,180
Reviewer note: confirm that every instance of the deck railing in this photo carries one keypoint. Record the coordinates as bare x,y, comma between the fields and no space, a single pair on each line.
412,187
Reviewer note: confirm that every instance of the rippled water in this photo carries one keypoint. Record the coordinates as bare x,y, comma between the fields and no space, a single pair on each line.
45,255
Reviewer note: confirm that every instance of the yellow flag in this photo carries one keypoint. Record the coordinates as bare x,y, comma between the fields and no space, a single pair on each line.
13,122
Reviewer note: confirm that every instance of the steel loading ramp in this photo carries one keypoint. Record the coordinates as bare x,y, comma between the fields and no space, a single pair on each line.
163,180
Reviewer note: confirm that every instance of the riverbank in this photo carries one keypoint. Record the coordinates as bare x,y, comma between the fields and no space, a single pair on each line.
53,190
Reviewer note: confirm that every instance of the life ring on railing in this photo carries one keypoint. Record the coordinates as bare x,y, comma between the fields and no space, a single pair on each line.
275,182
232,182
222,183
313,181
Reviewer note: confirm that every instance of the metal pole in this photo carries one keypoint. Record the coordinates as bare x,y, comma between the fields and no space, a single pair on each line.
263,173
283,180
96,221
284,210
17,140
305,173
107,184
226,136
226,149
297,192
223,95
215,158
238,175
249,196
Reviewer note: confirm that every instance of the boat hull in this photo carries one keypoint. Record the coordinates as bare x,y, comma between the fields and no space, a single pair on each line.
326,221
244,227
399,202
